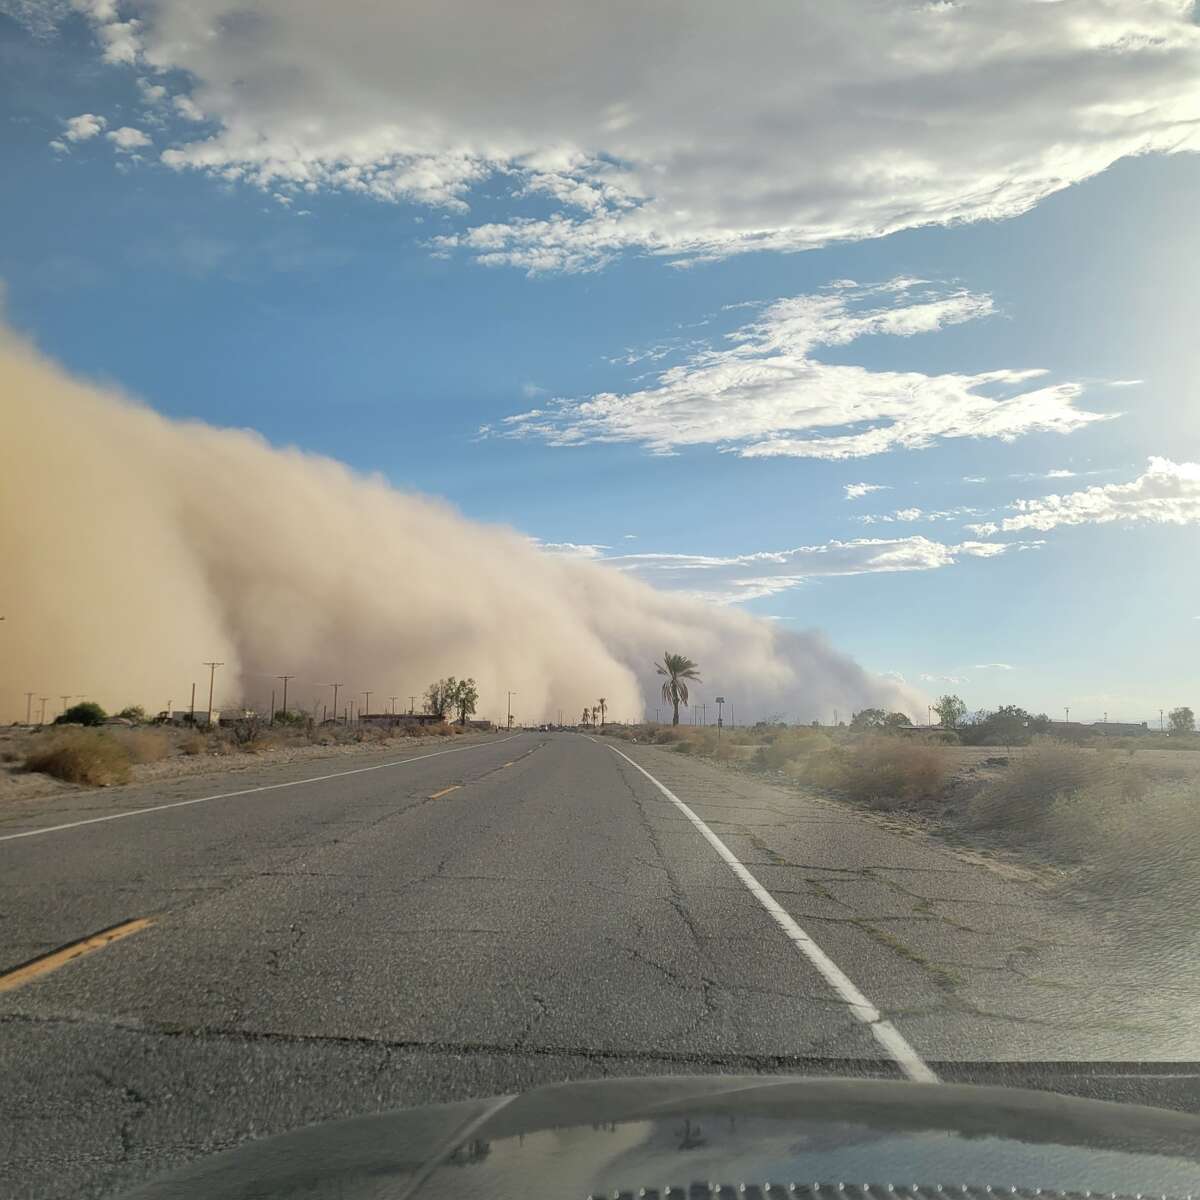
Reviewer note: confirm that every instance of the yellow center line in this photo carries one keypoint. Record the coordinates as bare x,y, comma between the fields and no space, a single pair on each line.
508,764
57,958
445,791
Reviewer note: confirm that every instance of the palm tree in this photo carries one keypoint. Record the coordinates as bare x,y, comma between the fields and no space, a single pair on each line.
603,710
595,713
678,669
587,716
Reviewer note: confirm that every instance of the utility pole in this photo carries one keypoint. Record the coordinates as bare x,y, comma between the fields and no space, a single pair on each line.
66,700
212,674
510,696
1160,721
412,705
28,708
1067,712
368,696
393,706
42,718
835,718
272,721
720,715
732,722
335,687
929,716
285,679
192,710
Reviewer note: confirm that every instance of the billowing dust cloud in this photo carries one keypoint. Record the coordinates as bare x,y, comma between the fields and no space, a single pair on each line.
134,548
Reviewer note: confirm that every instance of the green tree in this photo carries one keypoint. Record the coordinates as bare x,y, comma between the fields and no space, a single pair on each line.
679,671
869,718
897,720
464,699
950,710
133,712
1182,720
87,713
439,696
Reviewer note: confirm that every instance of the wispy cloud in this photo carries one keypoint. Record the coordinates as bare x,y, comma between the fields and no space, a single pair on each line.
833,121
731,579
1167,493
765,394
996,666
855,491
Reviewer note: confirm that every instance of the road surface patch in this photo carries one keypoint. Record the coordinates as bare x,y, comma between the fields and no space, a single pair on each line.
884,1032
45,963
266,787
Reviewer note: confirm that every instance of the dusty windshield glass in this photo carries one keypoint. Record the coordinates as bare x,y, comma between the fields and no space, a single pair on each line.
552,541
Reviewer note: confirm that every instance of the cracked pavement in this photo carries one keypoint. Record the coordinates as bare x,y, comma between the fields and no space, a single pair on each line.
356,945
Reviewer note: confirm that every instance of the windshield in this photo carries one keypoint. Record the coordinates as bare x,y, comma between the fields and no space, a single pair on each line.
555,540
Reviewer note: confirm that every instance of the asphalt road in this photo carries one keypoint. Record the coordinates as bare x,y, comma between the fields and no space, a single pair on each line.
514,911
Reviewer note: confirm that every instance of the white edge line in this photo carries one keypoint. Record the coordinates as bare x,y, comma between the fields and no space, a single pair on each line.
884,1032
267,787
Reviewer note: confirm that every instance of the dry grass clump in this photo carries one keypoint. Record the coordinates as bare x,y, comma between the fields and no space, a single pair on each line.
784,748
144,745
883,772
1047,770
82,757
193,744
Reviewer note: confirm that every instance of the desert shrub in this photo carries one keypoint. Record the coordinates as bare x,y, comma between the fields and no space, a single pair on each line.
882,771
1047,769
725,750
133,712
80,757
143,745
194,743
785,746
87,713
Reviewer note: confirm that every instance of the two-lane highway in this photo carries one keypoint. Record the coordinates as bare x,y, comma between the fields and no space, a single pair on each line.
444,924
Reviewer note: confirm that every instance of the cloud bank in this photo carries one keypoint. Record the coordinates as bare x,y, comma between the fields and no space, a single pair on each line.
144,547
680,128
1167,493
765,394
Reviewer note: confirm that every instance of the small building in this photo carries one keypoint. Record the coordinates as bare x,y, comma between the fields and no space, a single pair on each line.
185,716
398,720
1120,728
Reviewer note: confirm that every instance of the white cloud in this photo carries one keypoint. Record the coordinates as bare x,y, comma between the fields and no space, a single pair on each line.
1060,473
733,579
84,127
1124,383
901,515
1168,493
127,138
60,146
974,479
831,121
764,394
187,108
994,667
855,491
954,679
572,549
152,93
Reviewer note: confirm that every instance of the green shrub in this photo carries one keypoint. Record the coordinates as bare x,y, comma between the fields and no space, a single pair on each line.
87,713
92,758
133,712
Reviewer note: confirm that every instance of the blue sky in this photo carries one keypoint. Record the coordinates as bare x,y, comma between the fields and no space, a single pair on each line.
332,317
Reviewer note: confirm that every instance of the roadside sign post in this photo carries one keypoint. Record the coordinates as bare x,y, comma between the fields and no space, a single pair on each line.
720,715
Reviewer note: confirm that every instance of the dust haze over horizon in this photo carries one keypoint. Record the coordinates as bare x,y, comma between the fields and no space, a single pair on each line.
138,547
